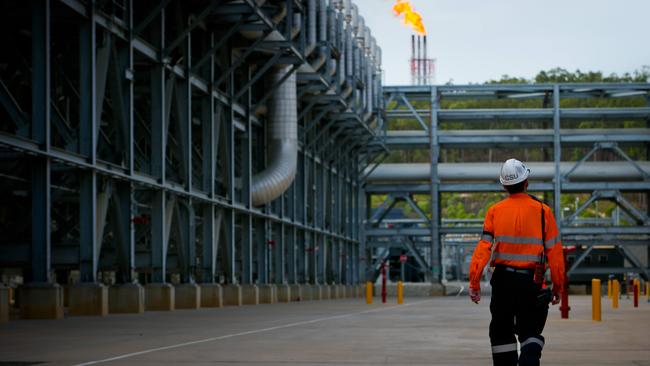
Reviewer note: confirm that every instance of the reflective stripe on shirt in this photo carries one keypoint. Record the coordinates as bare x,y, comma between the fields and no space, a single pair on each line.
519,240
552,241
487,237
517,257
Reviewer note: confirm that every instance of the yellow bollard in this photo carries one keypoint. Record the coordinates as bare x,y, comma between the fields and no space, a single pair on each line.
647,291
615,294
368,292
595,299
400,292
609,289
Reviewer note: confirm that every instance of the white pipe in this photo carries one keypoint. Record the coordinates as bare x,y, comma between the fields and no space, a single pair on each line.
280,172
588,171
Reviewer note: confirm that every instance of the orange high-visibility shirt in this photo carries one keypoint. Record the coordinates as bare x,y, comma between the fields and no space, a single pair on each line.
514,225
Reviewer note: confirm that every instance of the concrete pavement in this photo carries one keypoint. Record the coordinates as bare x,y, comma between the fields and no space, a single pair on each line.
424,331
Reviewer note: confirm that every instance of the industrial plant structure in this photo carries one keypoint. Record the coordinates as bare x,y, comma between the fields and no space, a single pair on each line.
168,154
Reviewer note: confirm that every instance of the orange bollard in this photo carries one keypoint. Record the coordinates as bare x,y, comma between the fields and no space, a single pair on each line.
595,300
615,294
400,292
368,292
609,289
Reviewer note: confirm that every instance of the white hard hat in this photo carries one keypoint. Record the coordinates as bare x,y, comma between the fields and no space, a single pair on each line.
513,171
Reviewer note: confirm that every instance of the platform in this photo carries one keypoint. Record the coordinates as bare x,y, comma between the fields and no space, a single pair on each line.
435,331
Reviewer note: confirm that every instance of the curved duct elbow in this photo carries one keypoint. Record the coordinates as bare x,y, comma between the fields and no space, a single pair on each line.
280,172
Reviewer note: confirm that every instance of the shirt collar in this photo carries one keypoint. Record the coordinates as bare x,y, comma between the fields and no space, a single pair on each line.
519,195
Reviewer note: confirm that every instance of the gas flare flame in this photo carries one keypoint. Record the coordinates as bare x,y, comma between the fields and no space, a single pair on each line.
411,17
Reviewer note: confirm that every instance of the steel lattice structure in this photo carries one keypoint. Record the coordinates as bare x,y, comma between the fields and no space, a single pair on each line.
136,137
131,132
428,237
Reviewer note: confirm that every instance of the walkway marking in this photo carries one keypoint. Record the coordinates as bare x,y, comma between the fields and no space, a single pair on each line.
461,290
256,331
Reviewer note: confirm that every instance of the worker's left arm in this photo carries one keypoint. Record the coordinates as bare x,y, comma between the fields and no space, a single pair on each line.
554,253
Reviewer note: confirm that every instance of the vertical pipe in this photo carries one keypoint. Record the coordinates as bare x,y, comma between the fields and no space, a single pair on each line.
349,53
557,157
311,24
87,147
636,294
413,71
434,151
41,194
322,20
425,70
209,128
417,63
159,103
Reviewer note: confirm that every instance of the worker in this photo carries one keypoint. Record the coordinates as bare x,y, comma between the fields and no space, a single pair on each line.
521,234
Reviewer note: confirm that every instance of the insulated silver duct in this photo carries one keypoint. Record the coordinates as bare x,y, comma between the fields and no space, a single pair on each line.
280,172
361,25
331,25
311,23
355,17
378,57
349,62
357,60
322,20
347,10
460,172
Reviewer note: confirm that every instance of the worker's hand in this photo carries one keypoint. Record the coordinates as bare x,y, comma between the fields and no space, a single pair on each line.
475,295
556,296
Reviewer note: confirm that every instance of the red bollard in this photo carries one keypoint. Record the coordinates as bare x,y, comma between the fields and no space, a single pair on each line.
636,295
564,306
383,283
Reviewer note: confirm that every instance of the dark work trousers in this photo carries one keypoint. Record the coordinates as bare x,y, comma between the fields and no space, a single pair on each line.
515,311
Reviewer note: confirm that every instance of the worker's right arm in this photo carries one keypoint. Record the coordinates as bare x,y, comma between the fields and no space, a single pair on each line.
482,252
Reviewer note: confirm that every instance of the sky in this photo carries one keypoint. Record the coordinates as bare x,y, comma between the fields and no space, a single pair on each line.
478,40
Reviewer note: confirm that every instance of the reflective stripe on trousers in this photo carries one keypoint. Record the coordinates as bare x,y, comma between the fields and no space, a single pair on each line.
532,340
504,348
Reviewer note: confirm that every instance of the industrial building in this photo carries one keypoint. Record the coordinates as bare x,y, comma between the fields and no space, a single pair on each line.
164,155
